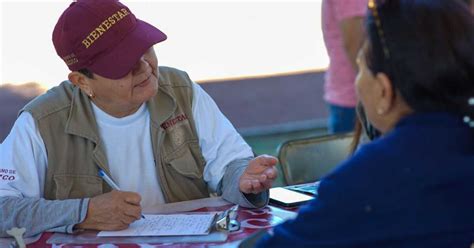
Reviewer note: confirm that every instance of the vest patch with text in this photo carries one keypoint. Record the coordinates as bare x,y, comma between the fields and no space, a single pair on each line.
170,123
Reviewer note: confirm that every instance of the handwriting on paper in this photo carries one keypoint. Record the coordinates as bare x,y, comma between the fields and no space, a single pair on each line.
166,225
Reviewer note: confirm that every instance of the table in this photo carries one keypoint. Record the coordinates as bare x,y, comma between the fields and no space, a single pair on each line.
251,220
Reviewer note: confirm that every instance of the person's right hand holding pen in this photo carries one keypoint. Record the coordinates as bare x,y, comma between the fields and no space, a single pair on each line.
115,210
111,183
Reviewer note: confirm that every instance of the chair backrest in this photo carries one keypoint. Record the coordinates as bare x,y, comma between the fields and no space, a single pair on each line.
307,160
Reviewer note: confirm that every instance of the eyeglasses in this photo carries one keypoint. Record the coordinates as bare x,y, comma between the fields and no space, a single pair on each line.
391,68
378,23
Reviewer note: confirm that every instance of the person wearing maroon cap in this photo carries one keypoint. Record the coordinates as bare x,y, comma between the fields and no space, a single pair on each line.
151,130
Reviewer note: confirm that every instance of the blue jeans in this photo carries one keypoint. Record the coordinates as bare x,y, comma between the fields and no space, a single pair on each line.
341,119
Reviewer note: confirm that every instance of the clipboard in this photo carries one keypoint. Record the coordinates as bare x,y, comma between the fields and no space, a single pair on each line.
227,220
224,223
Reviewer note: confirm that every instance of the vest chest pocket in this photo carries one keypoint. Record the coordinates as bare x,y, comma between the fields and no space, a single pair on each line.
70,186
187,161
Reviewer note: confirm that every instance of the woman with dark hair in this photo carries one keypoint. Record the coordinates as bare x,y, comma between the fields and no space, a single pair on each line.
414,185
363,129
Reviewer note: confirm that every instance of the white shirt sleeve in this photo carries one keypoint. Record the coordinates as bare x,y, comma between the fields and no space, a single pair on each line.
23,160
220,142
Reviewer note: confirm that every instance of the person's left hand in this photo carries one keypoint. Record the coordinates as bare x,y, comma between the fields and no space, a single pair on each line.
259,175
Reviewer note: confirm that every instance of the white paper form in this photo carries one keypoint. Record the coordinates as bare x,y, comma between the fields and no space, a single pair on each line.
166,225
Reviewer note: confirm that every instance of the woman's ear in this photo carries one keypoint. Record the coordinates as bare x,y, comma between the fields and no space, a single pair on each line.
386,99
80,80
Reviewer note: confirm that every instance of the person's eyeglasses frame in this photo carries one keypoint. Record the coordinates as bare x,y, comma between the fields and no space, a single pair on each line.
372,5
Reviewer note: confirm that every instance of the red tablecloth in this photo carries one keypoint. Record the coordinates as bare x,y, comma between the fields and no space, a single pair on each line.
251,220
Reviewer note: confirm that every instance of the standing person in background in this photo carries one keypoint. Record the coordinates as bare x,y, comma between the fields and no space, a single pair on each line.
342,24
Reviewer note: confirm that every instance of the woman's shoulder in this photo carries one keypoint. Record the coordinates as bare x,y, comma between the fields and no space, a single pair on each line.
373,154
372,164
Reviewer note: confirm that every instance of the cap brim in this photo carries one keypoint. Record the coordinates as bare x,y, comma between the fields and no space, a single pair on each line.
120,60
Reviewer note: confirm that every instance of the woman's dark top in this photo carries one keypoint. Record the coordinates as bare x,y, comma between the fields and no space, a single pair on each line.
413,187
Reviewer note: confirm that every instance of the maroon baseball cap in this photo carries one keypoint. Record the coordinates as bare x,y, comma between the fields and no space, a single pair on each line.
103,36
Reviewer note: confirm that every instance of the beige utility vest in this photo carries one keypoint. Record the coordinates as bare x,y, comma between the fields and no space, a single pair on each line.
66,122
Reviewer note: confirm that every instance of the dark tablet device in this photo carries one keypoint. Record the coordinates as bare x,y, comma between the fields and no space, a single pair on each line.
288,198
307,188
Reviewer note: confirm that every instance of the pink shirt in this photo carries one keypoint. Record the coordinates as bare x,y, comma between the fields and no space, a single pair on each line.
339,86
